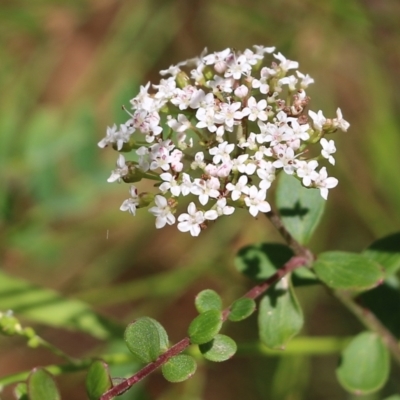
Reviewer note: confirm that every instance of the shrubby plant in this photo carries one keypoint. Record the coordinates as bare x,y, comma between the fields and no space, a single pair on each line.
214,135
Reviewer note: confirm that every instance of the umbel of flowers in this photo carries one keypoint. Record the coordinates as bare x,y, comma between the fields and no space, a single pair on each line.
218,129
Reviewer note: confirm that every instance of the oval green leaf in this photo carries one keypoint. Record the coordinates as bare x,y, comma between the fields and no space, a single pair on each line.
280,316
41,386
350,271
221,348
205,326
364,366
179,368
241,309
386,252
98,380
146,339
300,208
208,300
260,261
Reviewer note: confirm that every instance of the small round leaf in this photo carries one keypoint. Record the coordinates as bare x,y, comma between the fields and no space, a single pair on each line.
364,367
41,385
242,309
221,348
179,368
350,271
208,300
146,339
205,326
98,380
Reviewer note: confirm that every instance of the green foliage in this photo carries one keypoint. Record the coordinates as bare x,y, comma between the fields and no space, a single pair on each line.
146,339
280,316
241,309
21,391
386,252
221,348
208,300
41,386
342,270
205,326
364,366
98,380
260,261
66,250
300,208
49,307
179,368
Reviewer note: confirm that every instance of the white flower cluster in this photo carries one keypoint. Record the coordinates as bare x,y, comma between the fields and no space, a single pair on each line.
219,128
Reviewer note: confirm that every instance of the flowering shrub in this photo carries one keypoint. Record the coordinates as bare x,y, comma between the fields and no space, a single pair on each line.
218,129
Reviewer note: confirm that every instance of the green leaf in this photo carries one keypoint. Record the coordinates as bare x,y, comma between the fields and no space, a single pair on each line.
21,391
241,309
41,386
300,208
386,252
364,366
221,348
304,276
260,261
393,397
205,326
46,306
208,300
179,368
280,316
350,271
98,380
146,339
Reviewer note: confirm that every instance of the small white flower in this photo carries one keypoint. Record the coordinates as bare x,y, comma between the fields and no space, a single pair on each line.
238,188
286,64
170,184
306,171
120,171
206,189
255,110
323,182
131,204
339,122
221,153
328,148
256,201
162,212
286,159
179,125
318,119
241,91
191,221
306,80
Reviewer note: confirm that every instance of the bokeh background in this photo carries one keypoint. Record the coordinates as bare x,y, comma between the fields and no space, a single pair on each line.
66,67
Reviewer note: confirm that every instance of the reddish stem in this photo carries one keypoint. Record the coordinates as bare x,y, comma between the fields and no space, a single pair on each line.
256,291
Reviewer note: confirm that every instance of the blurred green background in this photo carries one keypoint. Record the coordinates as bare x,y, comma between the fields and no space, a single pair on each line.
66,67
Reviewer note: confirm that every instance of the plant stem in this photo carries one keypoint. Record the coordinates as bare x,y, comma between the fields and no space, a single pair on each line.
290,240
292,264
365,316
369,320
